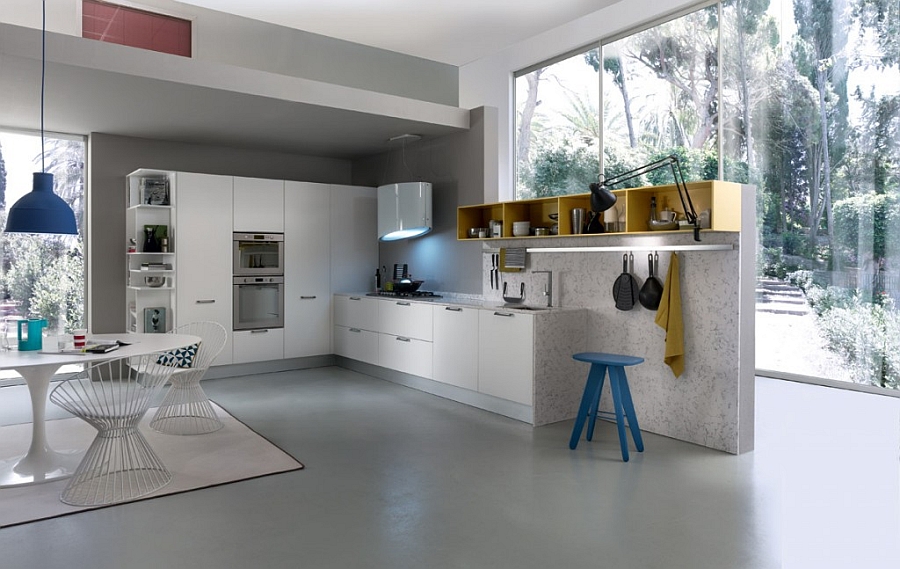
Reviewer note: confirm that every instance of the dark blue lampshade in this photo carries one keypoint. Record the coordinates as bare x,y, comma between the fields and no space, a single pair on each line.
41,211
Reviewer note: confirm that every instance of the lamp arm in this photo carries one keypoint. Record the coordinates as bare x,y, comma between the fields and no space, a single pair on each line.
672,161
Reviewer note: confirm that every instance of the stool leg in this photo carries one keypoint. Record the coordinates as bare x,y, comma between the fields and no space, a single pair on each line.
615,377
599,369
589,396
628,404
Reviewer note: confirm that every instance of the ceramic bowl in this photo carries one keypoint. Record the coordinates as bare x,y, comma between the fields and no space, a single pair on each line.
521,228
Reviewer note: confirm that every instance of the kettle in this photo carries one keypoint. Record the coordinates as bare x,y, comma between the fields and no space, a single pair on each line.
30,334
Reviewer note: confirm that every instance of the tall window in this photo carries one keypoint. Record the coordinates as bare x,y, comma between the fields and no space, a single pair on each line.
800,98
42,276
104,21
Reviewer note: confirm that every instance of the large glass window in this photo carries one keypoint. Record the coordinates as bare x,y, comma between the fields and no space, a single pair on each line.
42,276
109,22
800,98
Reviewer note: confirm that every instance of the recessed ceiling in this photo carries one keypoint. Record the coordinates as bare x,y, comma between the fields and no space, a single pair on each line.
456,33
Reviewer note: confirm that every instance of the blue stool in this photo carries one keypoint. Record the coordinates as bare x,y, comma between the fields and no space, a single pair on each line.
618,384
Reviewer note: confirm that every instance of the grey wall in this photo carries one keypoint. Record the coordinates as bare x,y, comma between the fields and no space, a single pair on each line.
111,158
455,166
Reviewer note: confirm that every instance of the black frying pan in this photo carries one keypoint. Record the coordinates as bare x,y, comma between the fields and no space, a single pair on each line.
625,289
651,292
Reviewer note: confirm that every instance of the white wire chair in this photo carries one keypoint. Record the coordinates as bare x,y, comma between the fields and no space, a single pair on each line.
185,409
112,396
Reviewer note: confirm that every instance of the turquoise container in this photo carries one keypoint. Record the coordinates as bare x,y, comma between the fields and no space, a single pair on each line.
31,334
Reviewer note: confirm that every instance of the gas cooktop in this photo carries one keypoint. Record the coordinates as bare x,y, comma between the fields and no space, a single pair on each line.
419,294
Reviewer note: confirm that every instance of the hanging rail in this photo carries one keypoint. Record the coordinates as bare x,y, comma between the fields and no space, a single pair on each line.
624,248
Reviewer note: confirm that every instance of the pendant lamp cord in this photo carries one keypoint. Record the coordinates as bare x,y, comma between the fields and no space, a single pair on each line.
43,68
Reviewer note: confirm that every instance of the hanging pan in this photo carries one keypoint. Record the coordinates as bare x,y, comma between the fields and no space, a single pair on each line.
625,289
651,292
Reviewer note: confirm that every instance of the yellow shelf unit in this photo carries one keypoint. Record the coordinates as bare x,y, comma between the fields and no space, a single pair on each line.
722,199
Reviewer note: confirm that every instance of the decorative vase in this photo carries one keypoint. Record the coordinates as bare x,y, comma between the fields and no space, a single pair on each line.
150,243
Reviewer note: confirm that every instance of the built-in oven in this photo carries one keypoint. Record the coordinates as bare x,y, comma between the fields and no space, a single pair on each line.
258,254
258,302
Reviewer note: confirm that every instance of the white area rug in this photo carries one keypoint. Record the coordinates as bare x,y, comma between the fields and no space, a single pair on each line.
232,453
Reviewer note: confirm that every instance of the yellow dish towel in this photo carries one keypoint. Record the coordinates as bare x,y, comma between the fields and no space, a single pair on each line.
668,317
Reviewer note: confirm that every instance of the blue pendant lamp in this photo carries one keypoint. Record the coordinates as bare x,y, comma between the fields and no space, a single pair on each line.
41,211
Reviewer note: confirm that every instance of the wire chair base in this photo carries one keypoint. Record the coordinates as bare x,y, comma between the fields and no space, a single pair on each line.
185,410
118,467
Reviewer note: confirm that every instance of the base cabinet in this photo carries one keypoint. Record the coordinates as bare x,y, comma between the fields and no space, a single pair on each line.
408,355
356,344
506,355
456,346
258,345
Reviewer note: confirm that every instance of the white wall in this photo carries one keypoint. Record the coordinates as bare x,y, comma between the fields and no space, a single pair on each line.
488,81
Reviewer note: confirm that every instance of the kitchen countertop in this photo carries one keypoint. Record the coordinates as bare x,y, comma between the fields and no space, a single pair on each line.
473,301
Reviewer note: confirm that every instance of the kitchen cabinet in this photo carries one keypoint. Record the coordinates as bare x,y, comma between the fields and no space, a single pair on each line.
150,271
204,262
455,347
506,355
307,270
405,334
722,199
258,205
355,328
258,345
354,239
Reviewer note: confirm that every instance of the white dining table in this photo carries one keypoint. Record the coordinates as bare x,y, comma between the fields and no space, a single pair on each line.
42,463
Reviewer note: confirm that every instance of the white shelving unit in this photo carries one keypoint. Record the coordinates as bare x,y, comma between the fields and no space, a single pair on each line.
149,308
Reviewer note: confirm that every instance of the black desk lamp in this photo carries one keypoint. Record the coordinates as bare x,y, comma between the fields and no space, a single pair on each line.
602,198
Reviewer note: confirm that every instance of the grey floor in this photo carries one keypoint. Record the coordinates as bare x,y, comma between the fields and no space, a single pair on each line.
396,478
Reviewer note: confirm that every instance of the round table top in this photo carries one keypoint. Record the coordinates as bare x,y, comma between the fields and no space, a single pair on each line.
138,344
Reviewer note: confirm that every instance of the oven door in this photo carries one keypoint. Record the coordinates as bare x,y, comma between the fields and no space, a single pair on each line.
258,303
258,254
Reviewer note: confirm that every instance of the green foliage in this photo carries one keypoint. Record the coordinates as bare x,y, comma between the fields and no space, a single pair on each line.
867,223
867,336
563,170
45,278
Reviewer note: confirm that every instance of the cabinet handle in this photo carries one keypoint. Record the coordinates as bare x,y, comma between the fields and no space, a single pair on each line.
355,298
355,330
259,331
453,309
402,339
308,297
504,314
402,304
205,301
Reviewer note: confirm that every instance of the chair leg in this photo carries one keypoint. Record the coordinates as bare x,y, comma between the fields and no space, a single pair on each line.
615,380
628,406
185,410
587,399
600,369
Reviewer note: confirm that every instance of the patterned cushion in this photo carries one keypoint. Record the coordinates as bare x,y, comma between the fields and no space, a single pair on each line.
182,357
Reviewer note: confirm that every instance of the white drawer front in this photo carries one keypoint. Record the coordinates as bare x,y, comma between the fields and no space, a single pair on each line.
357,344
356,312
408,319
258,345
405,354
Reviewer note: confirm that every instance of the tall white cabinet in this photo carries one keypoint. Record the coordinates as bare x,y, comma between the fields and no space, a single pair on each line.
204,260
307,269
258,205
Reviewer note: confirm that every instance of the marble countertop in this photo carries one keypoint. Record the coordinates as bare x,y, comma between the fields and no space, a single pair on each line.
473,301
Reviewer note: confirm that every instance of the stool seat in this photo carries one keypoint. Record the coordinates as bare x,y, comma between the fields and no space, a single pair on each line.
614,364
608,359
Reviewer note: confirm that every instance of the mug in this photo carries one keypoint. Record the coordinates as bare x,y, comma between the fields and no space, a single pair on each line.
80,337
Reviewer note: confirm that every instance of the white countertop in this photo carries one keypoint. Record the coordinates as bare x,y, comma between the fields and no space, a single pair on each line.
473,301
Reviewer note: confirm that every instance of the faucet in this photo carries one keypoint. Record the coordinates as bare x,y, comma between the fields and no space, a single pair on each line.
548,290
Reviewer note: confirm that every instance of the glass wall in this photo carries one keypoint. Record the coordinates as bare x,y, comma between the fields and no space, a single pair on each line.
800,98
42,276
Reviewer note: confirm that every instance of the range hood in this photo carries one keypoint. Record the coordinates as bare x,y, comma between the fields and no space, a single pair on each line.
404,210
